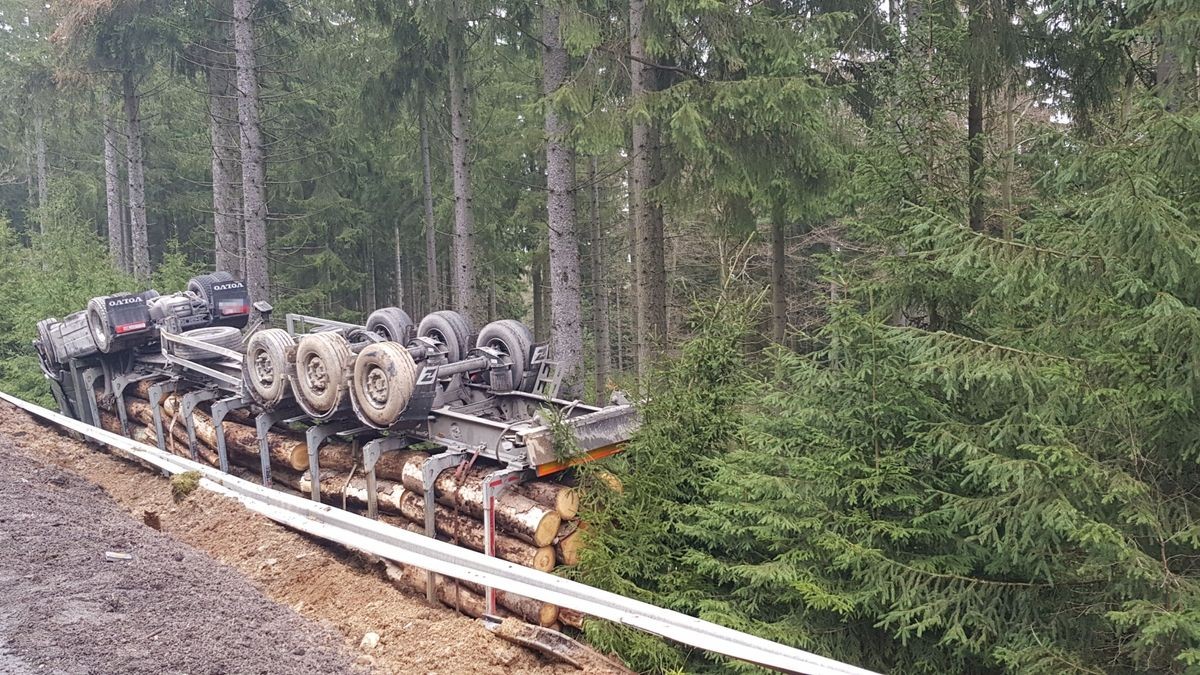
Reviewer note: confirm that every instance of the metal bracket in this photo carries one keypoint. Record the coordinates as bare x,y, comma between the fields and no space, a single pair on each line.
219,410
315,436
156,394
186,407
88,379
372,451
262,424
430,470
494,484
119,383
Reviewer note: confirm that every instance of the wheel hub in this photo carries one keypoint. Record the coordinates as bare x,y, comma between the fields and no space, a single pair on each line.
318,377
378,387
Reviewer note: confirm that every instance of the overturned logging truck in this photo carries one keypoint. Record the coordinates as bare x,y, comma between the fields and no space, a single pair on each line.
427,425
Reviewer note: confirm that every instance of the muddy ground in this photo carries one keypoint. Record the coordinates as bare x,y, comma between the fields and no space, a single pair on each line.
66,608
345,595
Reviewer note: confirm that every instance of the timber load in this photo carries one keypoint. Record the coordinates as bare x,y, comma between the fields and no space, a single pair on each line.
531,529
430,425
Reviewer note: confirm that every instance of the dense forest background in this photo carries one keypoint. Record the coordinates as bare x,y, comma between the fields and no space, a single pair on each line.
913,286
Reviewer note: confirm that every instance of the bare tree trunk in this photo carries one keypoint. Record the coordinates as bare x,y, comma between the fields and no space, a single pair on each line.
1166,73
223,134
599,288
651,276
1010,154
254,189
139,239
975,125
39,139
431,262
566,329
778,277
126,238
539,308
464,272
399,270
112,185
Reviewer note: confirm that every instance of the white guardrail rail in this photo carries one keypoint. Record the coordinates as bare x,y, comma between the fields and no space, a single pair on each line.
408,548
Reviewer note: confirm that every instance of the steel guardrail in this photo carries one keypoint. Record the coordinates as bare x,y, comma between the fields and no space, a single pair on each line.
408,548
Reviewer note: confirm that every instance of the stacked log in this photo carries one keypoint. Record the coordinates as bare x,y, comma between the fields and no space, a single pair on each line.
536,522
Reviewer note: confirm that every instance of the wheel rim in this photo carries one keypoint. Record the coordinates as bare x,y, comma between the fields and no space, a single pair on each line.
316,374
377,386
264,371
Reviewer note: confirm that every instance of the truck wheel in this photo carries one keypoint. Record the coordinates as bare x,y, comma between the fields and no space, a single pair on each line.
385,376
202,286
218,336
322,360
451,330
98,324
46,342
265,365
510,337
392,323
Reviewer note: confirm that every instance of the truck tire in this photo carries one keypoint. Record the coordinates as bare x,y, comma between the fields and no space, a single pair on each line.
319,378
451,330
202,286
385,377
98,323
218,336
512,338
46,342
391,323
265,366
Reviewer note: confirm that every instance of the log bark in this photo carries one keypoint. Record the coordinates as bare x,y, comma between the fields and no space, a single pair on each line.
468,597
571,617
518,515
466,531
286,450
561,498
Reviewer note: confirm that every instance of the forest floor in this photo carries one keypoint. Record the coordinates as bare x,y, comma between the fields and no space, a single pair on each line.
216,589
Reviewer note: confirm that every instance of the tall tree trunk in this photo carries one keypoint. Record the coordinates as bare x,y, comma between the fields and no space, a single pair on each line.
1010,154
651,274
631,304
112,185
599,288
126,237
464,272
139,239
975,205
223,135
539,307
254,189
1166,72
566,329
39,139
431,261
399,270
778,276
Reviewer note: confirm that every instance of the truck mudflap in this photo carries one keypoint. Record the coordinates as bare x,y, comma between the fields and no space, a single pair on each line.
596,434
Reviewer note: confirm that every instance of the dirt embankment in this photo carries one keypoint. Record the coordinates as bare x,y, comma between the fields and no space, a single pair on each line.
66,608
320,583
